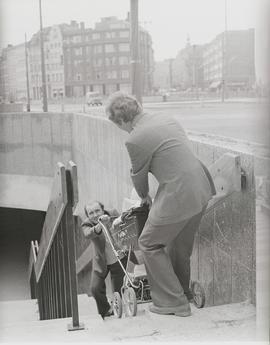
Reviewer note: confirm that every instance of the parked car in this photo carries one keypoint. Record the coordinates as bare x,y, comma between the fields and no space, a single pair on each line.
93,98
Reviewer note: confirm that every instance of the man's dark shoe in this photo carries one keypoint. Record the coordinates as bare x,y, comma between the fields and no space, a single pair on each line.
108,313
189,296
182,310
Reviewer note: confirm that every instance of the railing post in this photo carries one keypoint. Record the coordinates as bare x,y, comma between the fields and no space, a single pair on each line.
72,193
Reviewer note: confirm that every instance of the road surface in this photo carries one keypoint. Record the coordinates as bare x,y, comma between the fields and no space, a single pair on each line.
244,120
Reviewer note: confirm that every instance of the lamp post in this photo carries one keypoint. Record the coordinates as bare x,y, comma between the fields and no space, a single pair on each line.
135,52
43,73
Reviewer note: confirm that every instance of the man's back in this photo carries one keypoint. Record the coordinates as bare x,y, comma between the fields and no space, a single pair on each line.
160,144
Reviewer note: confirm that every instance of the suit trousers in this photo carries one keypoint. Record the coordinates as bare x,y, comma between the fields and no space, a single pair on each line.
98,285
166,251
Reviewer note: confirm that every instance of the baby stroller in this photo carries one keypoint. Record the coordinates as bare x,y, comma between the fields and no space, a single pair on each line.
135,288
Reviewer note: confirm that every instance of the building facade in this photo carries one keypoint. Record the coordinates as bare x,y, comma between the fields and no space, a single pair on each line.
54,63
230,57
99,59
183,72
187,68
13,73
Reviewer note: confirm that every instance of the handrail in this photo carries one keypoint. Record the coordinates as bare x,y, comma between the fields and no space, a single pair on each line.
32,259
52,261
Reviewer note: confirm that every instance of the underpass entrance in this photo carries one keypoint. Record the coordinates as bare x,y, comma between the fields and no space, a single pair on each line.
18,228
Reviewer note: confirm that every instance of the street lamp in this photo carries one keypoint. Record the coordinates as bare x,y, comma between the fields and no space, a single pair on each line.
27,75
43,74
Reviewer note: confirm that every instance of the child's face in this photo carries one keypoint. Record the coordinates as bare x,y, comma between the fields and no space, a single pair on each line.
94,211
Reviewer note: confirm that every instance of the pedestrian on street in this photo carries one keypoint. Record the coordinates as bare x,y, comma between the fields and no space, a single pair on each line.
157,144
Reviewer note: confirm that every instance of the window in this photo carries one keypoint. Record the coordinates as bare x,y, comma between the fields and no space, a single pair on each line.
123,60
97,62
109,48
88,50
111,74
110,61
96,36
124,33
98,75
78,51
98,49
124,47
77,39
110,34
78,63
124,74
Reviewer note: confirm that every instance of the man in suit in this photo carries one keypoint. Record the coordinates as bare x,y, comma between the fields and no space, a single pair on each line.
104,260
157,144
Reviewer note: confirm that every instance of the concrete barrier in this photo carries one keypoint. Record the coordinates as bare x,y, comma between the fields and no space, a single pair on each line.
224,252
11,107
33,143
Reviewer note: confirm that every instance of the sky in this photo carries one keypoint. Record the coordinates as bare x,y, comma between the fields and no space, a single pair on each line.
169,22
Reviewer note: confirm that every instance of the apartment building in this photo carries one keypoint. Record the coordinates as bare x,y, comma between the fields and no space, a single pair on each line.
13,73
99,59
54,63
230,57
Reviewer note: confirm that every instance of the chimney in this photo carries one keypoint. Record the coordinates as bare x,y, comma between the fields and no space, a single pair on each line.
74,23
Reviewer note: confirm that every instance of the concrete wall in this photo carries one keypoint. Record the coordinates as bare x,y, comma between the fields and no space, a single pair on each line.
224,253
32,144
11,107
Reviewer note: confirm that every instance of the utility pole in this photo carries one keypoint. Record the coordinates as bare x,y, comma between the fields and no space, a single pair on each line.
170,73
43,73
195,70
135,51
27,75
224,53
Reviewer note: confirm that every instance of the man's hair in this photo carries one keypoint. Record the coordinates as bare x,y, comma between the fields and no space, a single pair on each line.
122,107
92,202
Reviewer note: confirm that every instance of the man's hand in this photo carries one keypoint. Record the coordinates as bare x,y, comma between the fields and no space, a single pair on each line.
147,200
105,219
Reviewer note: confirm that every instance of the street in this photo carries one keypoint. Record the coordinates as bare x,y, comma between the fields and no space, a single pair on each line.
242,120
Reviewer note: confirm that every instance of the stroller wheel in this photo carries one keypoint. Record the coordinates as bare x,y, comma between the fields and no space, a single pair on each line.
117,304
198,294
130,301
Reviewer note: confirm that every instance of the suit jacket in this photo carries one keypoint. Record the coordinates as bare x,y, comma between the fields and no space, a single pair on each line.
98,241
159,145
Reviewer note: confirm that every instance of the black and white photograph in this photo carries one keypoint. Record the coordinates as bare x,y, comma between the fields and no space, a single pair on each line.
134,171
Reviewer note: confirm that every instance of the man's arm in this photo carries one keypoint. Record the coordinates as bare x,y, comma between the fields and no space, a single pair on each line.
90,230
140,163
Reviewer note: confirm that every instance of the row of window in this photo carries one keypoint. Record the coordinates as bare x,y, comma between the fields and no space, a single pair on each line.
48,67
98,49
108,61
97,36
124,74
56,77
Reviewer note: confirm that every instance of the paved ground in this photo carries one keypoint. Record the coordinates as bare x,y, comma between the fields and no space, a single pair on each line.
224,323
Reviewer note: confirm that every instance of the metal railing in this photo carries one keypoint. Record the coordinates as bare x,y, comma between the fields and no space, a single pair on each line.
52,265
